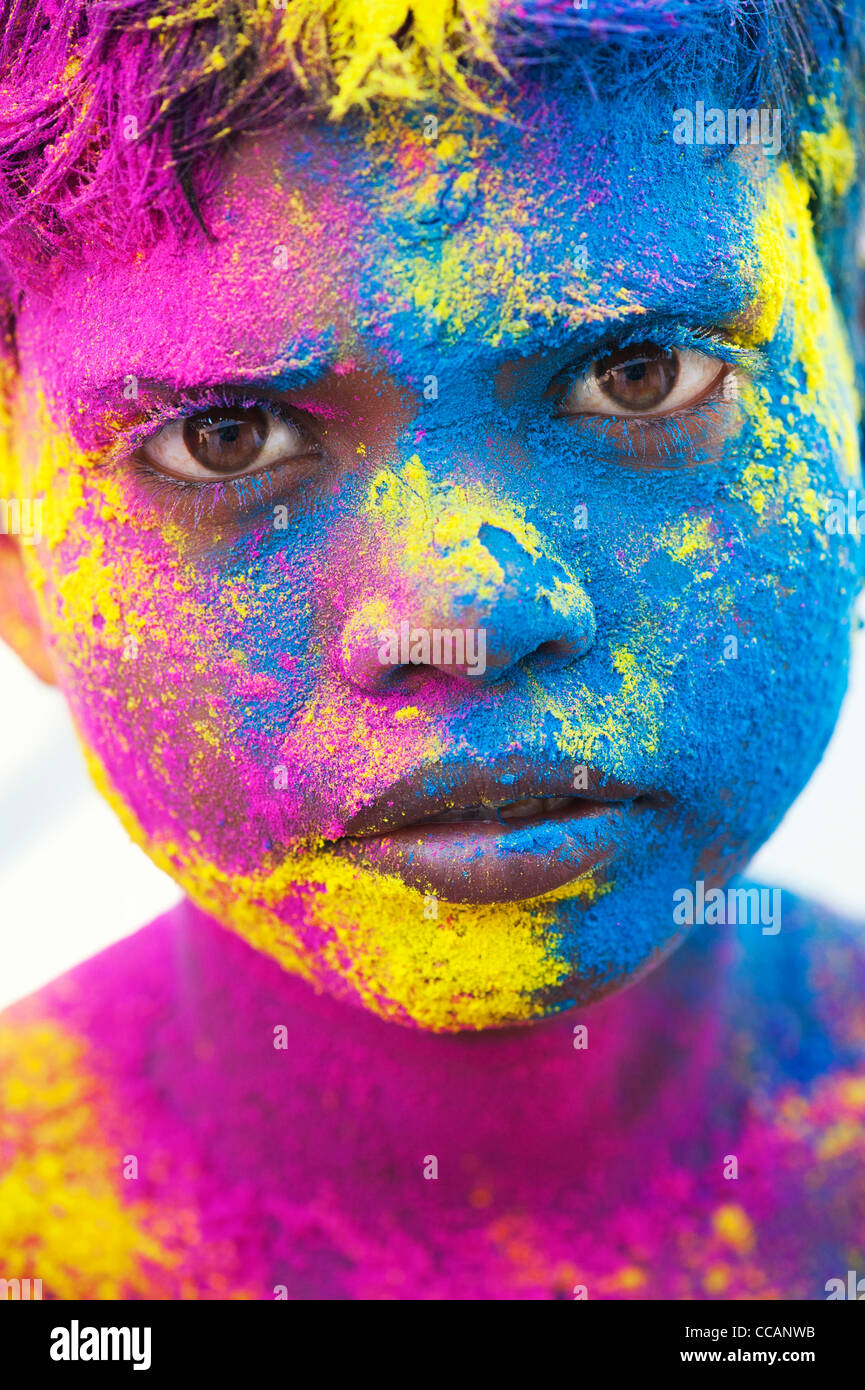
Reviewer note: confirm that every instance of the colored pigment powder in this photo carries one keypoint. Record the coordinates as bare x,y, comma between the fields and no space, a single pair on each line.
374,325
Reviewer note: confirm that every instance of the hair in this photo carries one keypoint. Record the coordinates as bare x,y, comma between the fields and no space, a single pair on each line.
115,114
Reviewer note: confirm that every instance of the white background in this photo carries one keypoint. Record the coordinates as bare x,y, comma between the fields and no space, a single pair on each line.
71,882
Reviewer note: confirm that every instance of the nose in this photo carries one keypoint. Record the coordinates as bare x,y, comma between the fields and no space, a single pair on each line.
475,611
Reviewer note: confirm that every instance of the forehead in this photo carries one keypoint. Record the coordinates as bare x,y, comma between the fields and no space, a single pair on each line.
416,233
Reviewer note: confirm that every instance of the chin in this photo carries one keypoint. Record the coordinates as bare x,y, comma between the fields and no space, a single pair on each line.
368,938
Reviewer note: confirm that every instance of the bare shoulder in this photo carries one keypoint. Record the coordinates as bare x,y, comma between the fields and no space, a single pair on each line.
82,1140
796,993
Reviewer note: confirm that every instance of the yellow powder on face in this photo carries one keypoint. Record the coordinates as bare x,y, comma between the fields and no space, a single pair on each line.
828,156
55,466
88,590
494,278
407,713
819,339
472,967
434,534
760,322
793,295
371,938
829,159
465,967
791,277
335,724
97,601
500,260
690,541
437,528
633,719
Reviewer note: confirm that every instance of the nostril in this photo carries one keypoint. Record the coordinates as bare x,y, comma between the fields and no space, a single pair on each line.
407,677
396,677
546,655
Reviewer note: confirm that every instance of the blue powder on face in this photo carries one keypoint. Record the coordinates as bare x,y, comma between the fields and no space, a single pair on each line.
656,702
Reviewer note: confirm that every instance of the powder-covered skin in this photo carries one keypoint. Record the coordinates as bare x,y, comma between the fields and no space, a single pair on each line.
280,1139
417,297
246,718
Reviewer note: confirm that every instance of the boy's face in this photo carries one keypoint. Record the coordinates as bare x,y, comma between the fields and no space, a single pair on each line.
506,459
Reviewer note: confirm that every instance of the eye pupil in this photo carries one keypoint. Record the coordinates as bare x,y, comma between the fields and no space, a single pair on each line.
226,440
639,377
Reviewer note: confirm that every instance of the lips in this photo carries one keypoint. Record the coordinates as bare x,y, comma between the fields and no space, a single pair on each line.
527,808
487,836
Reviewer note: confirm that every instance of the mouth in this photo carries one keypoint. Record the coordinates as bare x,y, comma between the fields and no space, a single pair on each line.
490,837
528,808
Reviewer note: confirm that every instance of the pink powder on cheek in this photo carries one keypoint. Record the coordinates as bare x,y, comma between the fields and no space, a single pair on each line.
150,655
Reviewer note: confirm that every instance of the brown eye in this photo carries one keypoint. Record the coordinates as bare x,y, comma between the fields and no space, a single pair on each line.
226,441
637,378
643,381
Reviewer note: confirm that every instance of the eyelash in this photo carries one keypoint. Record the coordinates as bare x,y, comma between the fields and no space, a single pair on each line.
669,432
670,336
173,490
257,489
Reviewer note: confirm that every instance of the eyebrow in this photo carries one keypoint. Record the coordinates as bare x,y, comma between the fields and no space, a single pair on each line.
122,392
713,302
712,330
706,297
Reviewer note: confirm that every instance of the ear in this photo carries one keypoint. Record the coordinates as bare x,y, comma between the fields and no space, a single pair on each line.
19,619
20,626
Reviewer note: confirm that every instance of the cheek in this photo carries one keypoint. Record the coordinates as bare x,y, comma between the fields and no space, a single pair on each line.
316,747
761,630
152,651
724,596
205,677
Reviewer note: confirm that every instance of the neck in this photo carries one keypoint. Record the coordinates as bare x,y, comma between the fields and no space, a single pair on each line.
326,1084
